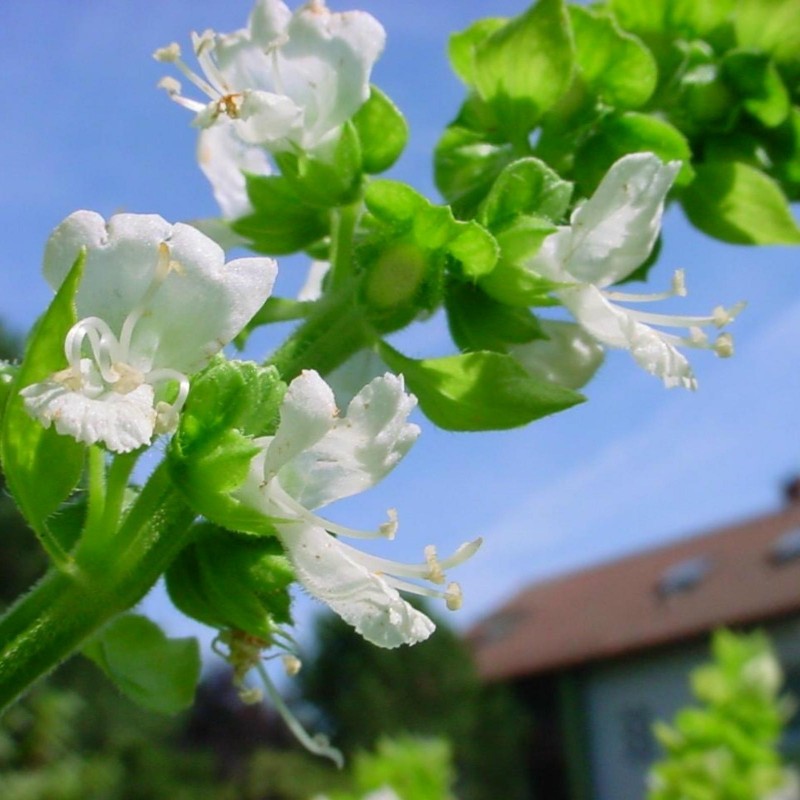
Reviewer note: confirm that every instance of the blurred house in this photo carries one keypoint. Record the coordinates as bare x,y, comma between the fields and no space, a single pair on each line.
599,654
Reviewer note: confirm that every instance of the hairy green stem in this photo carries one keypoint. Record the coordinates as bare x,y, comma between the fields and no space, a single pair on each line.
335,330
62,611
343,229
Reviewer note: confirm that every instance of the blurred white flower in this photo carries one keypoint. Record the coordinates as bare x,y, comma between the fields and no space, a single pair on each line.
288,80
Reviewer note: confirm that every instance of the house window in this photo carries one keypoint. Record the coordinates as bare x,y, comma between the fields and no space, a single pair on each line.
638,743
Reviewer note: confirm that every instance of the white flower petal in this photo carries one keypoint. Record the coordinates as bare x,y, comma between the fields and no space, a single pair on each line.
224,157
268,21
120,264
122,422
568,357
361,598
614,231
358,450
615,327
325,66
200,306
270,119
308,412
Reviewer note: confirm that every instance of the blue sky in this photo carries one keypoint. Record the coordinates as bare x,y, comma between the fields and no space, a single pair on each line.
635,466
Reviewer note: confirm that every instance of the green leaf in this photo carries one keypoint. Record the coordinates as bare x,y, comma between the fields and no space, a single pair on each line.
461,47
523,68
432,228
158,673
772,26
688,18
478,391
382,130
754,77
477,322
630,132
615,65
41,466
210,454
280,223
466,166
231,581
525,187
510,282
740,204
475,249
325,184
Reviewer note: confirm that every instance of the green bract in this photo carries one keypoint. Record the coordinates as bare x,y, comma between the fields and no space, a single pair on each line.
210,454
231,581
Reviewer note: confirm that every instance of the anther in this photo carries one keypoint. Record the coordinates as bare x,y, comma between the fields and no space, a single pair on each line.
434,574
453,597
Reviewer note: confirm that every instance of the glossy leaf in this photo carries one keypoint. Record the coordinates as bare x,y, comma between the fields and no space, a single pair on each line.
614,65
280,223
477,322
465,167
461,47
478,391
737,203
231,581
523,68
382,130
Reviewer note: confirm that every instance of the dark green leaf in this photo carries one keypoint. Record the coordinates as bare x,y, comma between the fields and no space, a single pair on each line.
478,391
382,130
754,77
631,132
740,204
325,184
230,581
158,673
280,223
41,466
523,68
477,322
615,65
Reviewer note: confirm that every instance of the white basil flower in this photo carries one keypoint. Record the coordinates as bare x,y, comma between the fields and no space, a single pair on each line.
288,80
156,302
609,236
317,456
568,356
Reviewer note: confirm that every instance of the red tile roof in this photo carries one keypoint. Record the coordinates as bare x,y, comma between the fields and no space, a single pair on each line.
727,577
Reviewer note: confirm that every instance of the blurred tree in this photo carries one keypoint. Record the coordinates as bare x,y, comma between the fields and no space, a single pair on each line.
432,690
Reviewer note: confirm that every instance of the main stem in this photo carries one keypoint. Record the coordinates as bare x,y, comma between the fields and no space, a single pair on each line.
64,610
